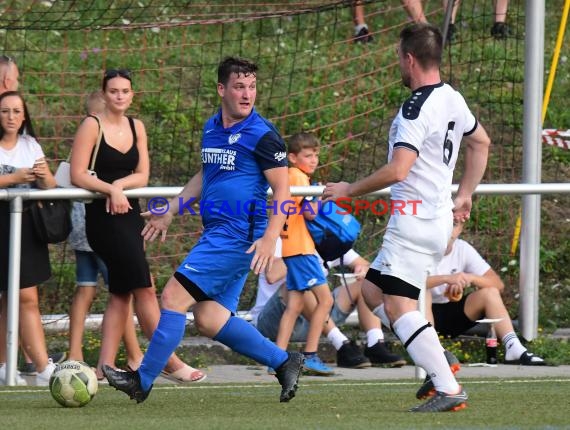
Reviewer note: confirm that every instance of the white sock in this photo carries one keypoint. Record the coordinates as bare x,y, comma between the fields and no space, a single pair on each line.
359,27
381,313
513,346
337,338
425,350
374,336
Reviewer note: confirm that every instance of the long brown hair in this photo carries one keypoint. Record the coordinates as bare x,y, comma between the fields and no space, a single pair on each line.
27,126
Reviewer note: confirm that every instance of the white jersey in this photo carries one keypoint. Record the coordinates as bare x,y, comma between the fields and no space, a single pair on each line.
462,258
431,123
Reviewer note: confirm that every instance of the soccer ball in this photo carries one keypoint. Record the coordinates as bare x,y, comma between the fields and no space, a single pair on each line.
73,384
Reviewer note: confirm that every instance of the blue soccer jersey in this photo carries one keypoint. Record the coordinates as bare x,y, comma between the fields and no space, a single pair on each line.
234,188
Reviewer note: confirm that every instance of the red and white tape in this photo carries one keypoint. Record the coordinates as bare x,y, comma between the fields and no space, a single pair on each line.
559,138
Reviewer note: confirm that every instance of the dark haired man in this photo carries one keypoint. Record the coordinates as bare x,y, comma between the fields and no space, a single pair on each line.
242,154
424,142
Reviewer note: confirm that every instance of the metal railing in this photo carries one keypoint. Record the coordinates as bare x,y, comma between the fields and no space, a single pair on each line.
17,197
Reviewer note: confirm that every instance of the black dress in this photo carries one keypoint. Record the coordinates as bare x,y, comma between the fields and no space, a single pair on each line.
34,263
117,238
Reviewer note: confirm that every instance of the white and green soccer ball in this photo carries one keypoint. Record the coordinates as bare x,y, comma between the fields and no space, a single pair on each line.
73,384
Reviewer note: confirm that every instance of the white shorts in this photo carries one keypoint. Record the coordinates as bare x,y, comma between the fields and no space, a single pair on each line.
412,247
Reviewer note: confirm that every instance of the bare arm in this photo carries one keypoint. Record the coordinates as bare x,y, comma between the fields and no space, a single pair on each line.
457,282
264,247
311,214
395,171
278,271
489,280
360,266
44,178
159,223
83,145
477,151
23,175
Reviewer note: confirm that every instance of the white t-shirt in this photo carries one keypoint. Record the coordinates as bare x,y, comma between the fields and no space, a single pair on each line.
462,258
26,151
431,123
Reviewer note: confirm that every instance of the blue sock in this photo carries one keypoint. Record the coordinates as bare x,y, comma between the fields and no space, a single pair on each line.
165,339
244,338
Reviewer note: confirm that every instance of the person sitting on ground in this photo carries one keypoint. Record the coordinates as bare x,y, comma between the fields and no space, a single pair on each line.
269,307
453,311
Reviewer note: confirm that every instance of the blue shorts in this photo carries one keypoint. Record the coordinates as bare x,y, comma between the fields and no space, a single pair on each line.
88,265
304,272
270,316
218,265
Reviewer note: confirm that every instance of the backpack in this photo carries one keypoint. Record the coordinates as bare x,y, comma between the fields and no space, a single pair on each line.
333,233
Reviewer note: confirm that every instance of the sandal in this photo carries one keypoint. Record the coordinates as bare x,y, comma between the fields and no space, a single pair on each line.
184,375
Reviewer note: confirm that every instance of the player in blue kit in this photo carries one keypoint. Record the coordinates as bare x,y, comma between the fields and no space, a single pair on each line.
242,154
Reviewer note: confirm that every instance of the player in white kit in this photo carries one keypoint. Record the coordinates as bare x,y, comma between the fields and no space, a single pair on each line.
424,143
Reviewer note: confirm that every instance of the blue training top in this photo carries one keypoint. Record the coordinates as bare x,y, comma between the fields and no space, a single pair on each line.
234,188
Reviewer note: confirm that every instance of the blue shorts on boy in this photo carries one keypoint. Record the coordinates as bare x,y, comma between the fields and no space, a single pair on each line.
304,272
270,316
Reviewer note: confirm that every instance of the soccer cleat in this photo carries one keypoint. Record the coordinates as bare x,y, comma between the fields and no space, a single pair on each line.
128,382
363,36
500,30
528,359
315,366
349,355
451,32
428,389
288,375
380,355
443,402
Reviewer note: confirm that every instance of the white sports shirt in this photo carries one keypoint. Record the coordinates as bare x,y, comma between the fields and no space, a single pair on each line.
462,258
432,123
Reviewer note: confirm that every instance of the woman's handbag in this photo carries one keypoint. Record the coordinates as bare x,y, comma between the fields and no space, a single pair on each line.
51,219
63,172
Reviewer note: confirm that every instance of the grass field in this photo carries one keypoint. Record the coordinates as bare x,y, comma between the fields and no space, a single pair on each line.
493,404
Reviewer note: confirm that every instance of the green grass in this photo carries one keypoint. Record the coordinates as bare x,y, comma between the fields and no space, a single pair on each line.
331,405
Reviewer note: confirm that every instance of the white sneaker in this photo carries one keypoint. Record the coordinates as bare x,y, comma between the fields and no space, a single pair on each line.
19,380
42,378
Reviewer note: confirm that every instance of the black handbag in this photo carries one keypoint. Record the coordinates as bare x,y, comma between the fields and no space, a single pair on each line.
51,219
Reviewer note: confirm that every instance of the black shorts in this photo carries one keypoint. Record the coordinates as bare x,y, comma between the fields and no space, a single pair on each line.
450,319
392,285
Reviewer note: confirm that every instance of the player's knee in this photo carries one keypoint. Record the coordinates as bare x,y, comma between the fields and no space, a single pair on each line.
488,294
391,312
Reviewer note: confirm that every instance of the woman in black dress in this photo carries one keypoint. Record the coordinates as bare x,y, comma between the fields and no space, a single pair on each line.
114,224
